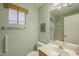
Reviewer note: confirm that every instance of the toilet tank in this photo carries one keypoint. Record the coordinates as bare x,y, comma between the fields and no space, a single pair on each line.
39,44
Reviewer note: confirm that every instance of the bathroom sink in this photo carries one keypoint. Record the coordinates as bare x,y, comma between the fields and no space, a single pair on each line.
54,50
68,52
63,52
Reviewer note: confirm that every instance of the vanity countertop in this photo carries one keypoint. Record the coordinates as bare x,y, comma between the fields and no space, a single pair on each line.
53,50
47,49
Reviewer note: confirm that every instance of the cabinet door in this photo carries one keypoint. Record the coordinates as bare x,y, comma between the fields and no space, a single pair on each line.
42,53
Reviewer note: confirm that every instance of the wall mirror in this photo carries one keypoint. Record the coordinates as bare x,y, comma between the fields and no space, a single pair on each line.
66,22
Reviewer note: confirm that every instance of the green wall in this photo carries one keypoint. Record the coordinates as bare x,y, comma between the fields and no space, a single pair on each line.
20,42
44,17
44,14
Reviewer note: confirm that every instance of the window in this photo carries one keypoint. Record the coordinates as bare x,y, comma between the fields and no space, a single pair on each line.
17,14
12,16
21,18
16,17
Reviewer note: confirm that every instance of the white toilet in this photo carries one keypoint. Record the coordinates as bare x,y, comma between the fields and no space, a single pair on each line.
35,53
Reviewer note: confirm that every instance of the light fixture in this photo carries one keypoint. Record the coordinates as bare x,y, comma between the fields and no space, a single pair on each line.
61,5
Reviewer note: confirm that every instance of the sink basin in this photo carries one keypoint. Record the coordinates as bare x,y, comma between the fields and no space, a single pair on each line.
62,52
68,52
54,50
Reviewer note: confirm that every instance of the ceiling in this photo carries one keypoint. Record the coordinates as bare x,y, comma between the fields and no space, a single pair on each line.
66,10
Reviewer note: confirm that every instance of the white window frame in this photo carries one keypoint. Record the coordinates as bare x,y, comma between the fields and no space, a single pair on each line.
22,15
12,16
18,22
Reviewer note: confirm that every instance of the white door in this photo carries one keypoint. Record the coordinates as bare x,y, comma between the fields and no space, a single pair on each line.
71,28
